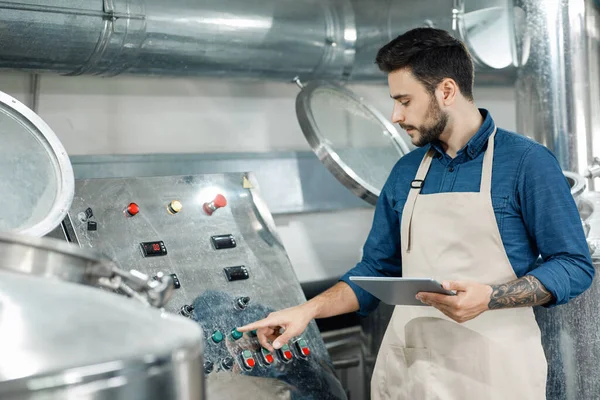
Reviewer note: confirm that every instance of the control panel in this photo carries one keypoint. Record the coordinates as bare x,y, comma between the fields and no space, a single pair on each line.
215,236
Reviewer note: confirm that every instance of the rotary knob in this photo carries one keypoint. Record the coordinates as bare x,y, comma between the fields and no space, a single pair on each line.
242,302
208,367
219,202
227,363
187,311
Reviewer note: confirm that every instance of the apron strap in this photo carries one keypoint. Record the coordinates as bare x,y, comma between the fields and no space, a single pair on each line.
415,188
486,169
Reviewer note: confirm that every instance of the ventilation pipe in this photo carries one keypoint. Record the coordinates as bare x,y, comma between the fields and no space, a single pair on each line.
270,39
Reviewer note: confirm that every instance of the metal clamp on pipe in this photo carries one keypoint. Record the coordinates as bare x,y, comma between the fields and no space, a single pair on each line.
593,170
155,291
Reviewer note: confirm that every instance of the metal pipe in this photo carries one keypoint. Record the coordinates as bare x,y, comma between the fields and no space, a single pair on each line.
276,39
271,39
558,88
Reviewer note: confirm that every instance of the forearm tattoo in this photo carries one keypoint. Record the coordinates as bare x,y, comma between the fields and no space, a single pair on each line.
524,292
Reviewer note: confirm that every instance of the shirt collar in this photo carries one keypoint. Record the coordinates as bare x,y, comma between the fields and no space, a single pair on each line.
478,142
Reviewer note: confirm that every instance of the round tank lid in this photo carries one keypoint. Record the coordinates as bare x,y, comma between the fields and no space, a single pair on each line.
352,139
36,176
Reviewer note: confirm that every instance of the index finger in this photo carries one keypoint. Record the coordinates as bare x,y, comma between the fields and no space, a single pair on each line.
263,323
437,298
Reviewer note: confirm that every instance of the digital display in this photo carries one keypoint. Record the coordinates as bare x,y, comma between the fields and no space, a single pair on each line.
153,249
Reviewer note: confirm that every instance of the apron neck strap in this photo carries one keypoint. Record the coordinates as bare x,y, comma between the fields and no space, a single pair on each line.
486,169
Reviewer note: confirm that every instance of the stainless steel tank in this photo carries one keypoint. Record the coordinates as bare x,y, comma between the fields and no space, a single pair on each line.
60,340
61,337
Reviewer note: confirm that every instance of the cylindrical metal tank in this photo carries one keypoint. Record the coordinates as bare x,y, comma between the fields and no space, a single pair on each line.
558,83
61,340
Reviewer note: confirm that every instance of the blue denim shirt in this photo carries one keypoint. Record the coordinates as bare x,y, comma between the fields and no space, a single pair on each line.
535,211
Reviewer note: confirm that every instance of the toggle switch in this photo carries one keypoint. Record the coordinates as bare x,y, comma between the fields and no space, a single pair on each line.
219,202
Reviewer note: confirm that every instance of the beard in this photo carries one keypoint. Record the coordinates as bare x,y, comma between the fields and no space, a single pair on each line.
432,132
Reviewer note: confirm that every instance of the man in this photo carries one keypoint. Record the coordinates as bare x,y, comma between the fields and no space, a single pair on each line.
473,206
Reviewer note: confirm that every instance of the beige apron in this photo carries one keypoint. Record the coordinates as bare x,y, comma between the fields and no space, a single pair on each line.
426,355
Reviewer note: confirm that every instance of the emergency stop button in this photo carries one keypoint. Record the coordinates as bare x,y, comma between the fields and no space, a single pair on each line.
302,347
219,202
285,353
248,360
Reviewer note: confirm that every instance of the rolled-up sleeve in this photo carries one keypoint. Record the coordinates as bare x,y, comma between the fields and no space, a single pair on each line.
381,252
553,222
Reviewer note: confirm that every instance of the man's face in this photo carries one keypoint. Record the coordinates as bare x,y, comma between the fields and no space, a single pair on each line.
415,109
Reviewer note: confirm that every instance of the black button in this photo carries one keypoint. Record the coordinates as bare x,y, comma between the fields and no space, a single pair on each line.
451,169
89,213
92,226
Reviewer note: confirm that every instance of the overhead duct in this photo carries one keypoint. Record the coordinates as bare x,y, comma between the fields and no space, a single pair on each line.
271,39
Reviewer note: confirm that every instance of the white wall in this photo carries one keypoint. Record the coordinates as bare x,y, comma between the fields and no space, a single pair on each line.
133,115
136,115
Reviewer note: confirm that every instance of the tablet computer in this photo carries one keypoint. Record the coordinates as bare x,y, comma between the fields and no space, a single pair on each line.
399,291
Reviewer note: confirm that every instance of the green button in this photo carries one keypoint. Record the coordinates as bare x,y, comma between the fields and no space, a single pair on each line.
235,334
217,336
285,347
302,343
253,333
246,354
265,351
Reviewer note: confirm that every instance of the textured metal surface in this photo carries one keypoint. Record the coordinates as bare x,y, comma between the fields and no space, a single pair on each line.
36,177
272,284
60,340
274,39
558,86
291,182
571,332
360,156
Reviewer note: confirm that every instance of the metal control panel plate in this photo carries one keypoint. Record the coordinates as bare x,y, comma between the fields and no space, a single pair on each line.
231,269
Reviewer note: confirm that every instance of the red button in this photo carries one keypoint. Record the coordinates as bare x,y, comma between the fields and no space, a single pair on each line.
305,351
133,209
287,355
250,362
220,201
269,358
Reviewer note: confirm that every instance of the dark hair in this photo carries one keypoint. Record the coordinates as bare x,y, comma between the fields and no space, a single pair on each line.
431,55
